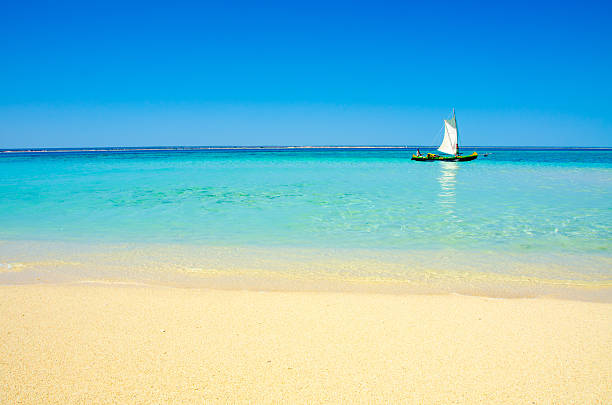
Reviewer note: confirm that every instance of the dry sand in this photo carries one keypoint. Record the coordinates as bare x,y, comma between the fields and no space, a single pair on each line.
118,344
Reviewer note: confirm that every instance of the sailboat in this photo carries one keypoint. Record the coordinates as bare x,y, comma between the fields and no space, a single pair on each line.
450,146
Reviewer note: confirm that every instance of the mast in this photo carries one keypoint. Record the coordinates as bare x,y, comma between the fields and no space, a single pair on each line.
457,128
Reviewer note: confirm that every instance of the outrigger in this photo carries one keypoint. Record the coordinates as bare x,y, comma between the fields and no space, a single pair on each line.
450,146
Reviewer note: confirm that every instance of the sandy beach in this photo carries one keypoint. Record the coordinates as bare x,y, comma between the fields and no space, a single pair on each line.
99,343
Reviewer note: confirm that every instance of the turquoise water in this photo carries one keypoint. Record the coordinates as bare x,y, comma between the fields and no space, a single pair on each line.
513,203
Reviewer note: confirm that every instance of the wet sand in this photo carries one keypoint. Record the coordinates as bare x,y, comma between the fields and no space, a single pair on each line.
141,344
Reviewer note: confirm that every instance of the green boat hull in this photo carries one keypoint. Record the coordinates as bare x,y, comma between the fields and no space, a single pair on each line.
430,157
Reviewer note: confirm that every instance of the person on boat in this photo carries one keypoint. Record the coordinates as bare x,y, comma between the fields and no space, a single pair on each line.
418,152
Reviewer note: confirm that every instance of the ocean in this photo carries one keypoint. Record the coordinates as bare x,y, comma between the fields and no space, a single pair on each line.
519,222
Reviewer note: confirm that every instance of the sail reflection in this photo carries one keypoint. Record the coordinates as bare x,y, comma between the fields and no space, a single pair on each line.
448,182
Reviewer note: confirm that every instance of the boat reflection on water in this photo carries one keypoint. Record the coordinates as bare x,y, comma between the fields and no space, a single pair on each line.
448,183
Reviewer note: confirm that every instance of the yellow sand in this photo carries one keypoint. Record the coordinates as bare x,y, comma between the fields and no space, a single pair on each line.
118,344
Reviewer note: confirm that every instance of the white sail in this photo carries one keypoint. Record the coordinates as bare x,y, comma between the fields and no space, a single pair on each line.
449,144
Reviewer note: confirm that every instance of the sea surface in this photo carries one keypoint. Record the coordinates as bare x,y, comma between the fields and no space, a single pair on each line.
519,222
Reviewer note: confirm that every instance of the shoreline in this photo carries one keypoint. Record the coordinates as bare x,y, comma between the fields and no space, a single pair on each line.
589,294
301,269
140,344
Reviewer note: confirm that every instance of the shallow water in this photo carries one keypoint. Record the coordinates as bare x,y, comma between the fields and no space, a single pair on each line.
537,214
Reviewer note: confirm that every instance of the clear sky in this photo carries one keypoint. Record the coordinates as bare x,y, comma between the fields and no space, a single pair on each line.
312,73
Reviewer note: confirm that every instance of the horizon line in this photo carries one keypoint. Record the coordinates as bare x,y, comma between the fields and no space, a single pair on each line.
264,147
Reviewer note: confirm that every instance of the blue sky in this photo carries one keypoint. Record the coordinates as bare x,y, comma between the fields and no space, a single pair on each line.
314,73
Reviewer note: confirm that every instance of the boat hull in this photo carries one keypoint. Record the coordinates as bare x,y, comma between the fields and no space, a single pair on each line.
430,157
